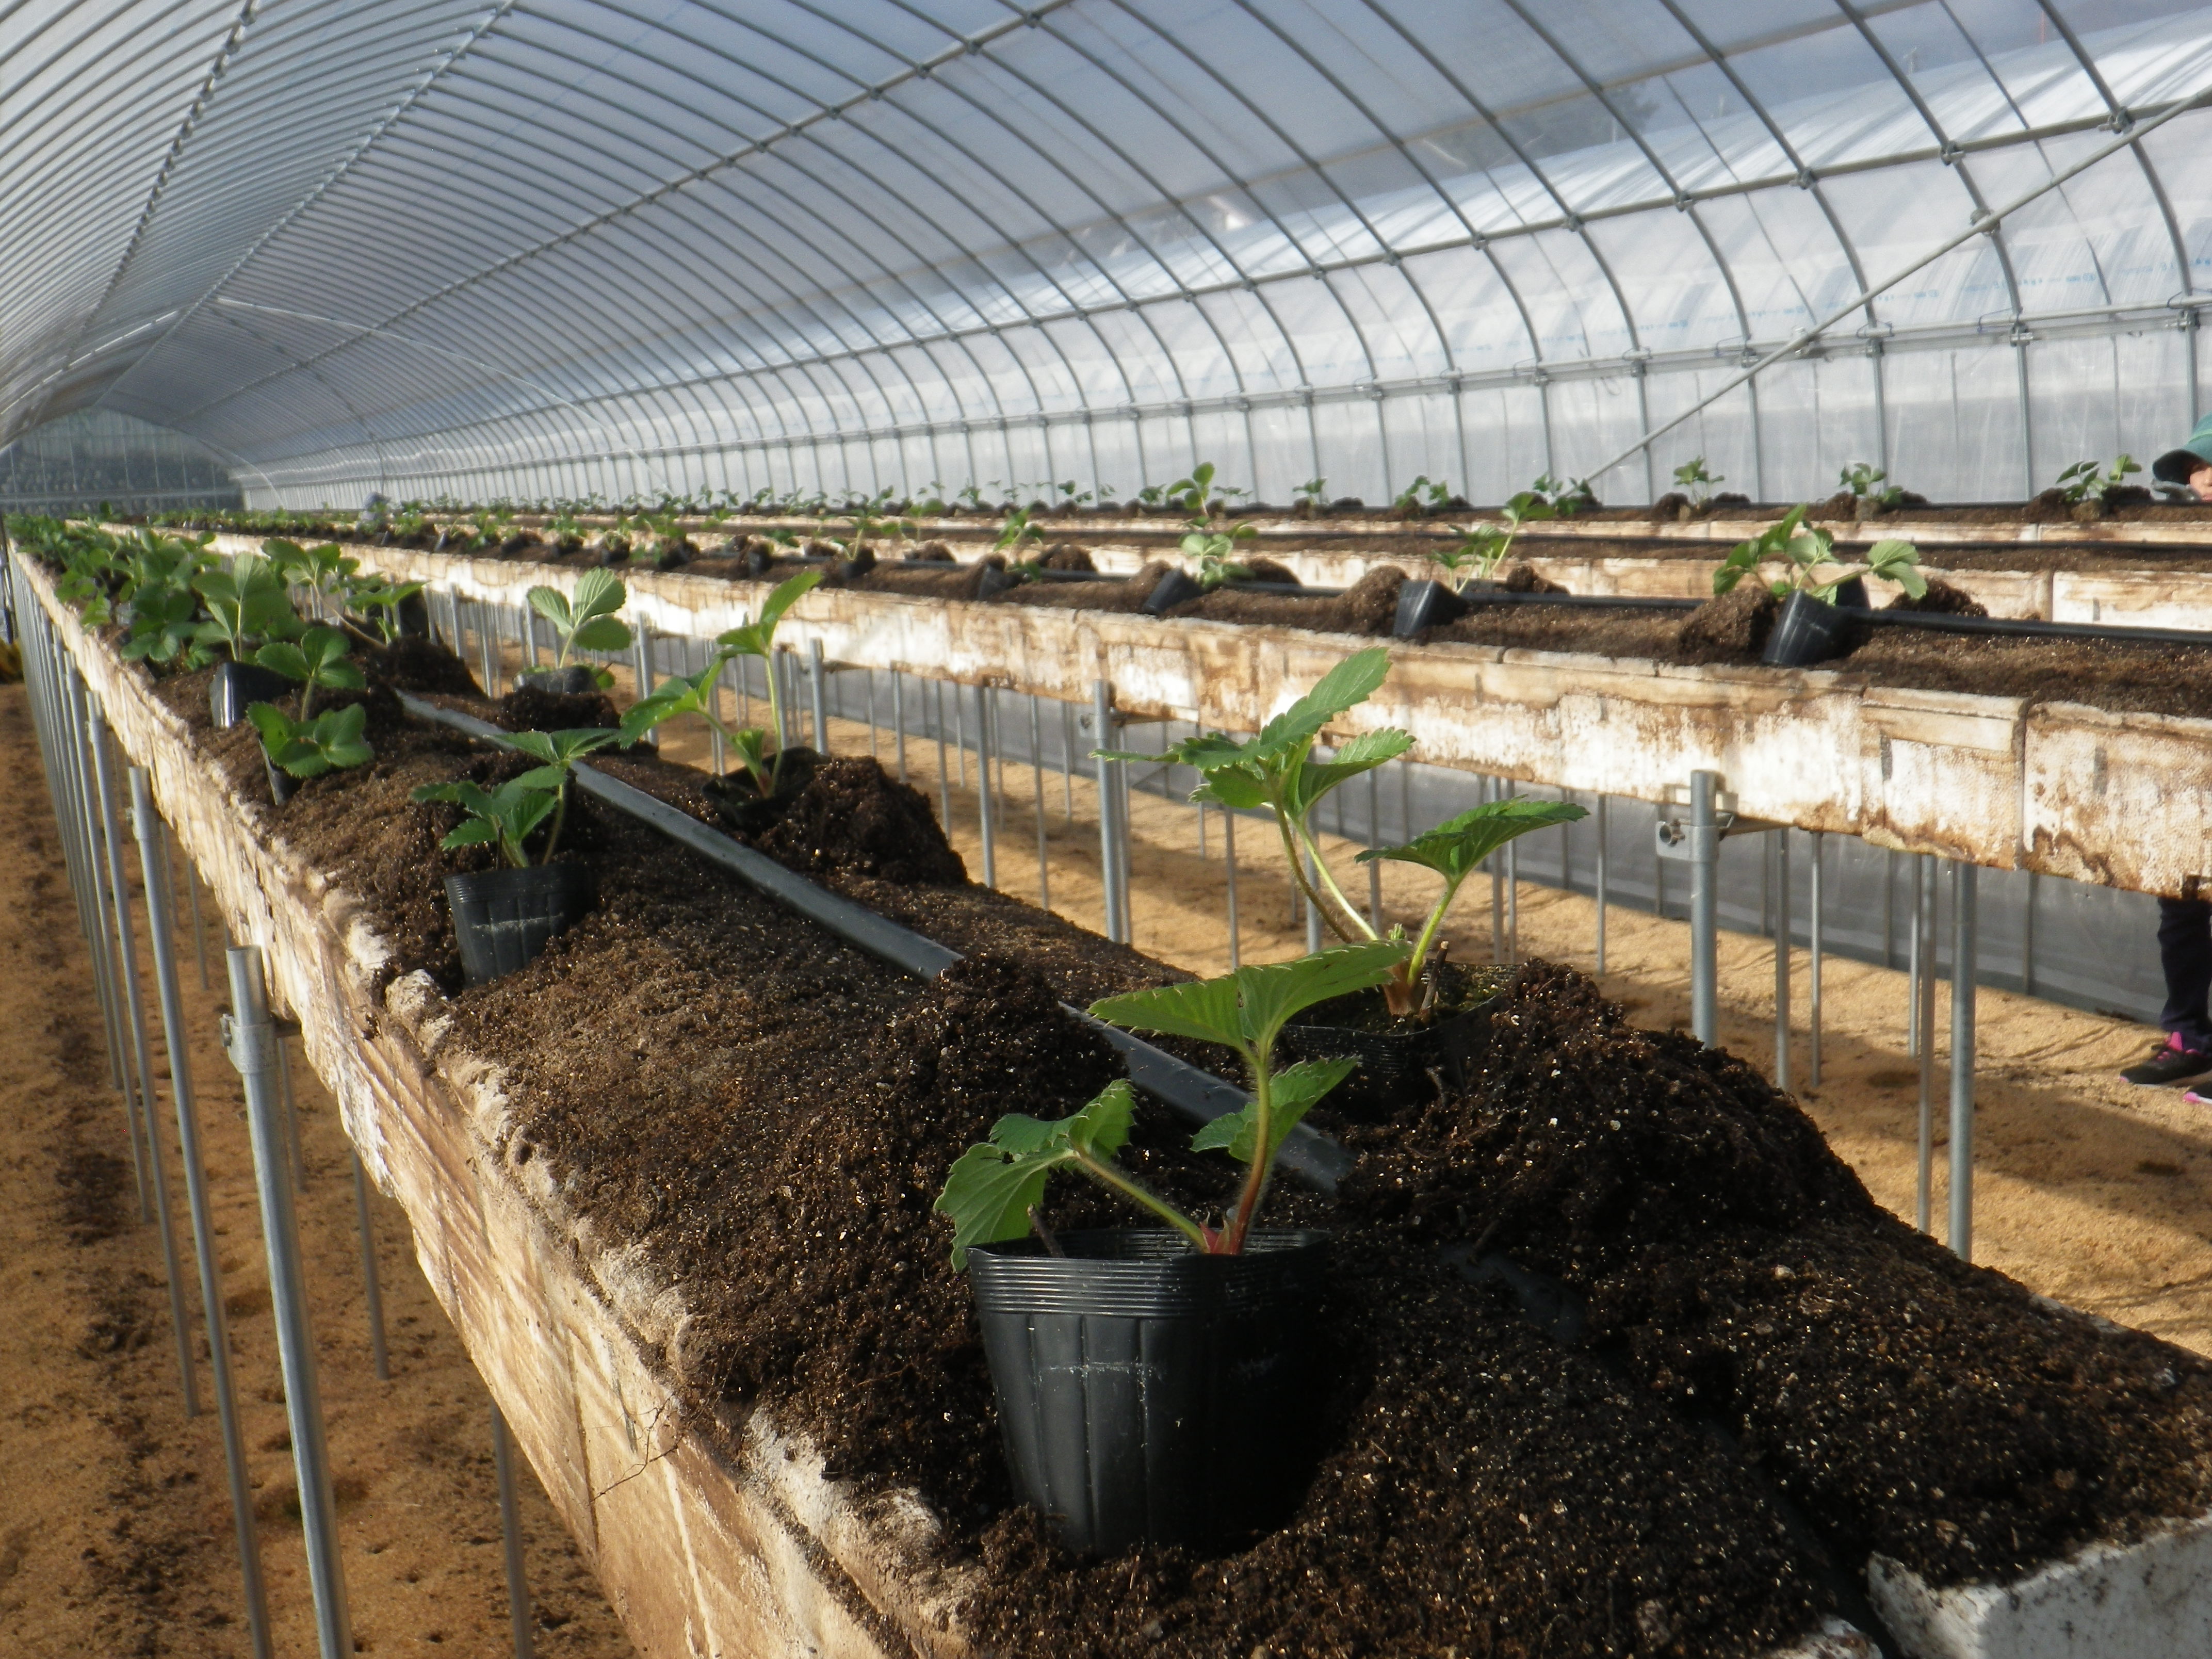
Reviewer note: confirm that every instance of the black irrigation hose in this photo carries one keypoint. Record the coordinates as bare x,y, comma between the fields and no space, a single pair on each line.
1199,1094
2010,628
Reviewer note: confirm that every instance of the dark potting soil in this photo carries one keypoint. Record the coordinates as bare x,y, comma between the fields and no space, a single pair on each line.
527,708
768,1115
2155,679
1913,1405
421,666
852,820
1941,599
1369,607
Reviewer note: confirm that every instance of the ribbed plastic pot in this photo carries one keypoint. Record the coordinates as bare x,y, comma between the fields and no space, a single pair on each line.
281,784
1149,1395
1809,630
1393,1066
502,918
1423,605
1174,588
576,680
236,685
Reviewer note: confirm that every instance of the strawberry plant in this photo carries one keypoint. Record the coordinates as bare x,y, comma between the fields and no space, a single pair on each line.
308,748
588,622
992,1190
1807,553
505,817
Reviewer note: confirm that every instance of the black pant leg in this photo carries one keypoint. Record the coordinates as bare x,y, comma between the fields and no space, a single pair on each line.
2184,950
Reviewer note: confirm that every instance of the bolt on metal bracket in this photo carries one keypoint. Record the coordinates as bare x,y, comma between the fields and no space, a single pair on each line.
251,1048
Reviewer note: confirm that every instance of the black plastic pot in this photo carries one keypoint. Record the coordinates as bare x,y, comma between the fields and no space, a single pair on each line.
1394,1065
1174,588
1422,605
237,685
502,918
577,680
1809,630
1149,1395
281,784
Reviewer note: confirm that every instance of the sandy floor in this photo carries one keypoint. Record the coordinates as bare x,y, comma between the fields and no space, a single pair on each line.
118,1536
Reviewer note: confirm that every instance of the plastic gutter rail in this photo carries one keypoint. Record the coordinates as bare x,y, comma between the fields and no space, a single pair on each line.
1199,1094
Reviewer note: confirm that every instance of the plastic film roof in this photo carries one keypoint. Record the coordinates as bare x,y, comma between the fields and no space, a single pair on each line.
543,248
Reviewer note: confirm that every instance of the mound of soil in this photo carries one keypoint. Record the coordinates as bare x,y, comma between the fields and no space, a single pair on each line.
854,818
1523,579
1369,607
1914,1405
526,708
419,665
1732,627
1941,599
1067,556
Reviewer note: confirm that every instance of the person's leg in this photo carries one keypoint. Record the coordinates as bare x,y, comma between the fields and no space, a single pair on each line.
2184,950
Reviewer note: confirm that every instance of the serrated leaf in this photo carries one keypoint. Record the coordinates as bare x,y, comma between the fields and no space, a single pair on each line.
1293,1092
992,1188
602,634
1457,845
552,605
1244,1010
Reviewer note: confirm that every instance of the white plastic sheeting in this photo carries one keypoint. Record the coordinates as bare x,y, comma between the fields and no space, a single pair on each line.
538,248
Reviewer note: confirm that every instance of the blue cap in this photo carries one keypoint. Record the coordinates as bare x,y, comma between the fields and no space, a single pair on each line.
2176,465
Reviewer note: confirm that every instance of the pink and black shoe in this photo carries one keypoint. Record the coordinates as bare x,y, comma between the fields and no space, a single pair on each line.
2170,1062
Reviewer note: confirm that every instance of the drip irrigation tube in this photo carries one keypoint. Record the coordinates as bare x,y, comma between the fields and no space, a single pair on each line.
2008,626
1197,1094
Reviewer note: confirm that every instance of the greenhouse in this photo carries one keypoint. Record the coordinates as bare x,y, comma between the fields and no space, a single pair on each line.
945,830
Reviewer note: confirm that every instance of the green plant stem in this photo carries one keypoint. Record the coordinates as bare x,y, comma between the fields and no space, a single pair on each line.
1299,879
774,720
1108,1174
1255,1177
1428,935
560,817
1321,866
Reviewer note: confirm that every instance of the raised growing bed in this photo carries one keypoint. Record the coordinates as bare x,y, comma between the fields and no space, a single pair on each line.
2116,797
673,1183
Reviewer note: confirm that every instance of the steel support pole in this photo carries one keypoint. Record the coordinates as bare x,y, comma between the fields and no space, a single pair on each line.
943,768
488,648
102,938
985,825
816,702
1782,959
1067,762
141,1047
1914,964
1604,856
1109,840
959,736
371,1284
1815,923
250,1037
1923,1005
1964,882
1229,869
510,1531
898,719
1704,908
641,660
874,753
1037,773
153,851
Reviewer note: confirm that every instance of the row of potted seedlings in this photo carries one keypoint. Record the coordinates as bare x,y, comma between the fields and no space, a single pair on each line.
1153,1382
